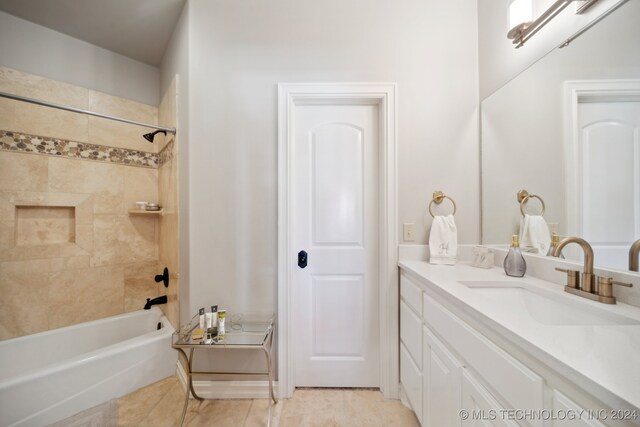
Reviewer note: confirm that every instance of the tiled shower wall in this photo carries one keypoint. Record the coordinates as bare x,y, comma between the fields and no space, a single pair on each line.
69,250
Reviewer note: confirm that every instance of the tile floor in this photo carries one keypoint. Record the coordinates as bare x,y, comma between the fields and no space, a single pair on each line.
160,405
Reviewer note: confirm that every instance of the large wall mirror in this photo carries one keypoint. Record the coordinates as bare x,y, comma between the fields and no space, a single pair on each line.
568,130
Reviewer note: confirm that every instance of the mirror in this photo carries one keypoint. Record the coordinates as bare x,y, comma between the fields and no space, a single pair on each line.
567,129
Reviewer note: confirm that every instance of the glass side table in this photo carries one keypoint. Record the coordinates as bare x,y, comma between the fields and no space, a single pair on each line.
248,334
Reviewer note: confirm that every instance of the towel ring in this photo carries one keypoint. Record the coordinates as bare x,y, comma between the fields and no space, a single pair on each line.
438,197
523,198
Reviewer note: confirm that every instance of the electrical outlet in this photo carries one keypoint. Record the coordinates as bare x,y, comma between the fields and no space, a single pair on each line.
408,231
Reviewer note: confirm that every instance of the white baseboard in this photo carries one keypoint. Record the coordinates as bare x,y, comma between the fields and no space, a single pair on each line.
227,389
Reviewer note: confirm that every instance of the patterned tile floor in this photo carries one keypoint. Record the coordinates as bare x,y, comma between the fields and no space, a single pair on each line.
160,405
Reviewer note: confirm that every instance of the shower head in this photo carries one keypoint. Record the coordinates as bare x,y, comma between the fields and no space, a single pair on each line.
149,136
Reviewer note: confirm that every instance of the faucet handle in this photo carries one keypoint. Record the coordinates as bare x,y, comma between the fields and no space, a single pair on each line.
605,289
626,285
573,277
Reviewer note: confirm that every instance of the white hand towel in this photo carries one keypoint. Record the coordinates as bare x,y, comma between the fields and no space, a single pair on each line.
443,240
534,234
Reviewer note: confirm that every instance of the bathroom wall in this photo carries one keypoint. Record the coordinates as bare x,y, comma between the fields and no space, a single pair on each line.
39,50
238,52
69,250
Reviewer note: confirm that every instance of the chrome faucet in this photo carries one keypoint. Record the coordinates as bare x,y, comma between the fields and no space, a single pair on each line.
634,254
586,288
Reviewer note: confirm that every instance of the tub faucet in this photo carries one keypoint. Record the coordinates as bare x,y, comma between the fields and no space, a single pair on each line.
634,254
159,300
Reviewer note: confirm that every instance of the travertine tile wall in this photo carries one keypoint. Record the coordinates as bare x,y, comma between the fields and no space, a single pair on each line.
102,261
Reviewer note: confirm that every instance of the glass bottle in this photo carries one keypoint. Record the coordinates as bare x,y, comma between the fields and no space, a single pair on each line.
555,239
514,264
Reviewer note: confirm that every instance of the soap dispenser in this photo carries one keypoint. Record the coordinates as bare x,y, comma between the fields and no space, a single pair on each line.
555,239
514,264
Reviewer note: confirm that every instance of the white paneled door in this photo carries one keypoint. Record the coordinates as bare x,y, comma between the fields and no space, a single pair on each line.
334,220
610,176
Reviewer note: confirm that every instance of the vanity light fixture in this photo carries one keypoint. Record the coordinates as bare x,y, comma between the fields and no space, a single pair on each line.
583,5
525,30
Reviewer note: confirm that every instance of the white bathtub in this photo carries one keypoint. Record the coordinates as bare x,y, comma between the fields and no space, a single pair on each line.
52,375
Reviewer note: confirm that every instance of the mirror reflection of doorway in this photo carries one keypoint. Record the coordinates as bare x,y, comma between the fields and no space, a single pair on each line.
609,176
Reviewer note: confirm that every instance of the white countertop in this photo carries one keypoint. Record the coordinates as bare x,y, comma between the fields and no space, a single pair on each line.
604,360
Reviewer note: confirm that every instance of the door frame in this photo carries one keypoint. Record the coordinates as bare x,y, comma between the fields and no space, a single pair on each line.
290,96
576,91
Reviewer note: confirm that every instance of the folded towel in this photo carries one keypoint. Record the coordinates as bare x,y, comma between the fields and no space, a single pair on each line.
443,240
534,234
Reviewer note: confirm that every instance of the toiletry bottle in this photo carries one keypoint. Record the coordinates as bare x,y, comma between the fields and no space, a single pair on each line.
214,312
202,318
555,239
221,318
208,320
213,328
514,264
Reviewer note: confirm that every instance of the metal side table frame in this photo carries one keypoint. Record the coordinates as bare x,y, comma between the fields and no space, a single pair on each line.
183,343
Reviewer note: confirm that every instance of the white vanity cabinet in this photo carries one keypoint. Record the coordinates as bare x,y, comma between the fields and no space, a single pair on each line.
411,345
447,367
433,376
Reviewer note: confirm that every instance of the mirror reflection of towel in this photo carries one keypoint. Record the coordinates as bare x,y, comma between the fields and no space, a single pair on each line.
443,240
534,234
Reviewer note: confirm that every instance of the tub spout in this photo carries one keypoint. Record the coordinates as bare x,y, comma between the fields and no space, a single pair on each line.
159,300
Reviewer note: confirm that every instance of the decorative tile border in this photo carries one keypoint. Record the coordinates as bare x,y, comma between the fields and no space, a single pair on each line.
35,144
166,154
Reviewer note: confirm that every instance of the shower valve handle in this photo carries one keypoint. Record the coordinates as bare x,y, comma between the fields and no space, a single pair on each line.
164,277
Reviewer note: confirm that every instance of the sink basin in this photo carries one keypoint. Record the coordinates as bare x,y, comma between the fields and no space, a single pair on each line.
545,309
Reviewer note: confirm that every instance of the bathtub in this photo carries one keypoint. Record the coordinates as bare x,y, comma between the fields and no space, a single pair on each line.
52,375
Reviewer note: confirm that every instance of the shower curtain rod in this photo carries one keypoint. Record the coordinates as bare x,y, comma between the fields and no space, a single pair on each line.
81,111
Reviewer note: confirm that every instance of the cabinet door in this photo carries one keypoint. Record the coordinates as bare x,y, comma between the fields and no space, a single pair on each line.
566,410
411,333
441,384
411,379
479,407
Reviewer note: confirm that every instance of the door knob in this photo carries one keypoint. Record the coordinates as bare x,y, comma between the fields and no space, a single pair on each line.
302,259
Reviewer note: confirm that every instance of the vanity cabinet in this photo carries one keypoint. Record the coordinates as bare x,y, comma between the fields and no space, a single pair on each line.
448,367
411,345
436,381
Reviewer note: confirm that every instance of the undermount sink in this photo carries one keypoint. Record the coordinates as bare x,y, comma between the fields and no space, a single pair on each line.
545,309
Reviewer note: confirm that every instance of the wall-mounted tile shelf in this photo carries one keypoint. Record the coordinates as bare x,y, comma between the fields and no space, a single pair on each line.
144,212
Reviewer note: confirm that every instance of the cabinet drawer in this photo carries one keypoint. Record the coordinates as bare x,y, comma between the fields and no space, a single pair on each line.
411,333
411,379
515,383
411,294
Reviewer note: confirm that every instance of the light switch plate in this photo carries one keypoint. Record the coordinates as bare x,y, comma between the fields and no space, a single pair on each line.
408,232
